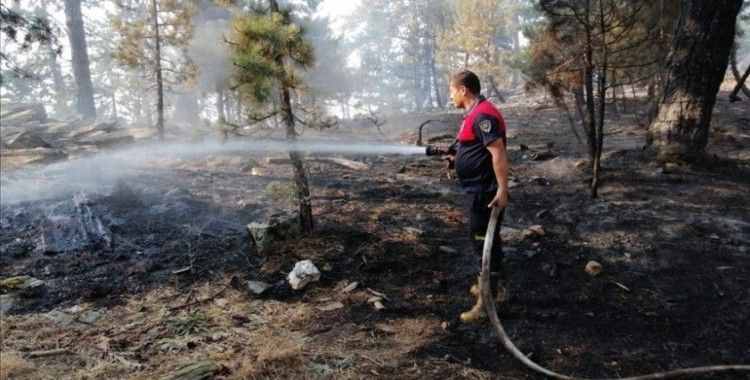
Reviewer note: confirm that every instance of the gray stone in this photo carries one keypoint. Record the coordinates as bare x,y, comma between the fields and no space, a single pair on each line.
67,230
28,140
278,227
447,249
304,272
258,287
61,318
90,317
6,303
26,285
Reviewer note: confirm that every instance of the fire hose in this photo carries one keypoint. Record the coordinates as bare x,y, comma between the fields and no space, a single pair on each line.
497,327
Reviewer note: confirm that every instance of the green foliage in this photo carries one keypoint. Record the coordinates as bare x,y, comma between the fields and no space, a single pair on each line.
133,25
258,40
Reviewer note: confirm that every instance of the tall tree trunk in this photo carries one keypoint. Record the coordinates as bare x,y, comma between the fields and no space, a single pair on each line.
300,179
158,72
57,79
740,84
695,70
220,106
84,89
737,76
602,87
434,75
589,83
114,105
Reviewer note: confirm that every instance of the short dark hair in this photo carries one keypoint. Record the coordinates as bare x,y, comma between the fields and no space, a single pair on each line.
467,79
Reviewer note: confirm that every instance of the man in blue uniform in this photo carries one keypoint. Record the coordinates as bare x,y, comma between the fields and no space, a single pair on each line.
481,164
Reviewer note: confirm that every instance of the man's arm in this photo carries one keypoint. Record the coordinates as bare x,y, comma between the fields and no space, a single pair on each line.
500,167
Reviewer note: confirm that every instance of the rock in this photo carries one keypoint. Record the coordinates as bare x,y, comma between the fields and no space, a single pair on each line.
90,317
61,318
414,231
378,305
193,369
304,272
350,287
78,228
448,250
538,230
593,268
221,303
374,299
258,287
513,183
6,303
330,306
224,231
278,227
26,285
579,163
258,171
28,140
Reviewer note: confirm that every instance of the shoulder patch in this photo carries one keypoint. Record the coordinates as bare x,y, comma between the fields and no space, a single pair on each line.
485,126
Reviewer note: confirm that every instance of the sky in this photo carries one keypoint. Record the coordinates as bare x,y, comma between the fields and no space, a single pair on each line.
337,10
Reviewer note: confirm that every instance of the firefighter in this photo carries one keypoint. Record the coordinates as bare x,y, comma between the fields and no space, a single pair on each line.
481,163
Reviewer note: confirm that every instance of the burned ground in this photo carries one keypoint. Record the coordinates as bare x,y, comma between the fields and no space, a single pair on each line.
672,241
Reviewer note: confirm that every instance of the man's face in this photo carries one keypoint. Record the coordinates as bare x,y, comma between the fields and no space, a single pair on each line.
458,95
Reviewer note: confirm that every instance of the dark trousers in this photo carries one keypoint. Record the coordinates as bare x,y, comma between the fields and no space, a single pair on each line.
479,217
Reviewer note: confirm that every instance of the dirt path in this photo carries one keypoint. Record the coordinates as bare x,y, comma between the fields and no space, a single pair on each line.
673,243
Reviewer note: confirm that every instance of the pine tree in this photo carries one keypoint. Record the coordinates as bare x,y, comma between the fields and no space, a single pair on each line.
268,48
695,70
153,36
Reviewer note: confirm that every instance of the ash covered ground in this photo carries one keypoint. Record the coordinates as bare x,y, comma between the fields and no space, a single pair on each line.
157,280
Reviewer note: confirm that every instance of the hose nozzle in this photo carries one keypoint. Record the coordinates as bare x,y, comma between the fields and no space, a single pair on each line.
433,150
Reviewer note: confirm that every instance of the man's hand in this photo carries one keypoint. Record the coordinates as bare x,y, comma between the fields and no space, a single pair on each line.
450,161
500,200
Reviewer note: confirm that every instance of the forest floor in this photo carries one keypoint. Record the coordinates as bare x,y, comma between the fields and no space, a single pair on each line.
674,291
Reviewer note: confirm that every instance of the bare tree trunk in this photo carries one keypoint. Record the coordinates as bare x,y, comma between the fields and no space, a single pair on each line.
158,72
736,73
220,106
740,84
84,89
57,78
298,165
434,76
695,70
602,87
589,83
114,105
